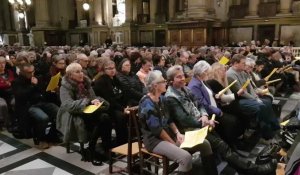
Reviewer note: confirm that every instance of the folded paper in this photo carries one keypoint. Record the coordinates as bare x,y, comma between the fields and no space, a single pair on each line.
226,89
269,76
53,83
224,60
91,108
284,123
212,118
193,138
246,84
273,81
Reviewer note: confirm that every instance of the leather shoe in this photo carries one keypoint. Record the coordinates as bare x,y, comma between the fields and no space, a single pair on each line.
96,162
267,168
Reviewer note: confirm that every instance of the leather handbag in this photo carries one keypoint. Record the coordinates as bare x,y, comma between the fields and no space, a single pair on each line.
267,154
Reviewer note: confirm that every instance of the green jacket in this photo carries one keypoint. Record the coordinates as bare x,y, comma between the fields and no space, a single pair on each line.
183,109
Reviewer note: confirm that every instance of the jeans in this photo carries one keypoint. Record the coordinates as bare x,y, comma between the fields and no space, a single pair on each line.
42,114
264,114
182,156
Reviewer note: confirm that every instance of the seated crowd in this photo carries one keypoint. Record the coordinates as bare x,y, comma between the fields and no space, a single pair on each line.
176,89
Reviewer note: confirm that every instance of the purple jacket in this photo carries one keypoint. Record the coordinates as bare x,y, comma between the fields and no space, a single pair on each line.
202,97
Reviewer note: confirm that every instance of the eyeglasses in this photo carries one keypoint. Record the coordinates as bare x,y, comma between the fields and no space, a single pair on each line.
162,81
109,68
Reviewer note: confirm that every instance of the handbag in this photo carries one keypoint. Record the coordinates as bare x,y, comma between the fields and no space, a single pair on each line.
267,154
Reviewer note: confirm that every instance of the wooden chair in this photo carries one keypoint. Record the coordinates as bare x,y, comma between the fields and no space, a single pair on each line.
150,159
129,150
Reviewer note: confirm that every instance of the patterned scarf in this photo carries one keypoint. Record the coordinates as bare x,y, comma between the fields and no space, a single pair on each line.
82,91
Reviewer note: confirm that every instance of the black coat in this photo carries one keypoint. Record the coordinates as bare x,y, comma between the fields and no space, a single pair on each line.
26,94
110,90
133,88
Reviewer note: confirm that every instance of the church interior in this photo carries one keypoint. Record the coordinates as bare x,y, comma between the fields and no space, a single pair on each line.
50,49
149,22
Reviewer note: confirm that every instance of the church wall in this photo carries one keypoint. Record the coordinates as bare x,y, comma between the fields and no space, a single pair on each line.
240,34
290,33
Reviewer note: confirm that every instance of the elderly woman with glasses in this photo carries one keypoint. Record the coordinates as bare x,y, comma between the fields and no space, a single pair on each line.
76,94
187,114
160,133
109,87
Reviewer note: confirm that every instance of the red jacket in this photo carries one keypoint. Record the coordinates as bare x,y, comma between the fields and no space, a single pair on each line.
3,82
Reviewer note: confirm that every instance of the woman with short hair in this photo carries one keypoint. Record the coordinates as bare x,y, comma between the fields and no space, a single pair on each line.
109,87
76,94
132,87
160,133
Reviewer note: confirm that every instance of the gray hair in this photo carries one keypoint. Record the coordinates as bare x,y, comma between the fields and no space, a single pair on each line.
172,72
250,62
152,78
200,67
81,56
71,68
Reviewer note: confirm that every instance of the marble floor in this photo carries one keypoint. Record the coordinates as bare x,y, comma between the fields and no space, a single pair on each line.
22,157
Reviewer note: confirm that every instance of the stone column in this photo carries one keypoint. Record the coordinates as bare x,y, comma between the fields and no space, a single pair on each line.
98,12
41,13
153,9
129,10
253,8
2,23
139,7
171,9
197,8
285,7
79,11
6,13
108,14
210,7
134,10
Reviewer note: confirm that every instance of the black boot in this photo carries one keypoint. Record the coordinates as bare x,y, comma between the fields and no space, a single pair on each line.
240,164
209,165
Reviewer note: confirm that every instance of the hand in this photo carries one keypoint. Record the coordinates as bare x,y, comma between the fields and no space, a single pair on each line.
217,96
241,92
204,120
180,137
259,100
34,80
126,111
95,102
7,83
212,123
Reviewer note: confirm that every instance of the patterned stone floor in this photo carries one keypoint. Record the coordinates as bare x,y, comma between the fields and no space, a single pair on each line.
21,157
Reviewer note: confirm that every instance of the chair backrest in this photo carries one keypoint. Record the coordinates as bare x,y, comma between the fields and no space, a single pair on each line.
134,120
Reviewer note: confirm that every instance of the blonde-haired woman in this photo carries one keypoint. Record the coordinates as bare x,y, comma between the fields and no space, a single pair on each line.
76,93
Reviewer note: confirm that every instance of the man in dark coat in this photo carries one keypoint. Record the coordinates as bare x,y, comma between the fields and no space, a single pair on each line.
32,109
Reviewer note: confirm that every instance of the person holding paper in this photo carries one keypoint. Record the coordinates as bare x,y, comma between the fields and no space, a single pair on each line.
58,66
250,103
76,94
205,96
260,91
217,81
160,133
189,115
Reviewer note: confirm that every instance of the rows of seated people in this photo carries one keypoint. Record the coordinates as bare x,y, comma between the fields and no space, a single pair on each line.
118,78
